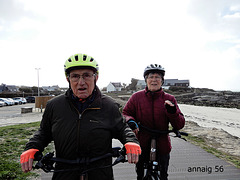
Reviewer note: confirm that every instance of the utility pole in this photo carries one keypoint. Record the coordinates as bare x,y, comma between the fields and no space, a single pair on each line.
38,79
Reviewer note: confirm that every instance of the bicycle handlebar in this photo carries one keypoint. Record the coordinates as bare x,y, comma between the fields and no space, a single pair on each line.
46,162
159,132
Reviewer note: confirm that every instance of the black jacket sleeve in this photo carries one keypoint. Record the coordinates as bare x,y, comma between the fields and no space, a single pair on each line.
122,131
43,136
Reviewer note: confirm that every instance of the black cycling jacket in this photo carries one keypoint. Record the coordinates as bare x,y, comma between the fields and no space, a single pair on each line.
86,134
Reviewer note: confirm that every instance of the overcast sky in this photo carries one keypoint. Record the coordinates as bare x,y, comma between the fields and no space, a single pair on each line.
197,40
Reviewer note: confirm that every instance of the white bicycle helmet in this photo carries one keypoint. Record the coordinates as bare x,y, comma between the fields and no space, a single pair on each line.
152,68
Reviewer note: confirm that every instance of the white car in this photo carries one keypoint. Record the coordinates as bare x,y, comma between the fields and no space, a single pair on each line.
6,101
24,100
2,104
21,100
13,101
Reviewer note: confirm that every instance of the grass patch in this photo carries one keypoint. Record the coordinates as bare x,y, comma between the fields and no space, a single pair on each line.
201,142
12,143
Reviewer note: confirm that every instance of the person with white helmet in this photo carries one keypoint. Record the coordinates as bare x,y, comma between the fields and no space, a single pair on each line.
153,108
82,123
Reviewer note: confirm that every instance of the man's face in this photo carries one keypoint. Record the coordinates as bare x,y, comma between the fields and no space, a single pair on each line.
154,81
82,82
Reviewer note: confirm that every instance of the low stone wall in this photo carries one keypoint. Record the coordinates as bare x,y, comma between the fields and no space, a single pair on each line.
26,110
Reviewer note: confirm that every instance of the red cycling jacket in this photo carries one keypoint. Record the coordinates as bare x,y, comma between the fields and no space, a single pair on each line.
148,108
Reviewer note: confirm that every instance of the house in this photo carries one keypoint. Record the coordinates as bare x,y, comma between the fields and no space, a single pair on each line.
114,86
176,82
141,84
51,88
13,88
3,87
9,88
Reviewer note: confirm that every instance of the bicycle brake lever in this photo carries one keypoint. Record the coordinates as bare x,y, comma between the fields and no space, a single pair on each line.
115,151
44,163
121,158
38,165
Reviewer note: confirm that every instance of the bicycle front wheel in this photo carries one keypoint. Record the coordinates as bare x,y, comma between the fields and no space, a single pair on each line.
151,177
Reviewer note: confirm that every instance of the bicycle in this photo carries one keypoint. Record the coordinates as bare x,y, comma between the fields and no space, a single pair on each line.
151,169
48,161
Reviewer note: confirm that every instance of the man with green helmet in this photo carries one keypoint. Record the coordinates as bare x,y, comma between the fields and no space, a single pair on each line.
82,123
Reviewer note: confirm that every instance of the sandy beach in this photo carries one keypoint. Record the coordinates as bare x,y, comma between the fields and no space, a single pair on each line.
219,126
227,119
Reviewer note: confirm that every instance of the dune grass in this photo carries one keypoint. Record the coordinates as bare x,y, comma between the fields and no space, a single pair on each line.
201,142
12,143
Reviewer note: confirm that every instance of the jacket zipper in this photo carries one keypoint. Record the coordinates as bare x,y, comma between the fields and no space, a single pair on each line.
153,118
78,124
78,127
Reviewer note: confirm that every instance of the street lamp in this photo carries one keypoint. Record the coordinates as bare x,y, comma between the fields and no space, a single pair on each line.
38,79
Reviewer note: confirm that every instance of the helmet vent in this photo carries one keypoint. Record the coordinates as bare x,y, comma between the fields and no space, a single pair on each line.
69,60
91,60
76,57
84,57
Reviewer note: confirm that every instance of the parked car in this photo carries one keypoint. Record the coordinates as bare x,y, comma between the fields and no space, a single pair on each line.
30,99
21,100
14,102
2,104
6,101
24,100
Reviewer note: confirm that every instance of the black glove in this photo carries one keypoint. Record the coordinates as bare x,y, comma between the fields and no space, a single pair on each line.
171,109
132,124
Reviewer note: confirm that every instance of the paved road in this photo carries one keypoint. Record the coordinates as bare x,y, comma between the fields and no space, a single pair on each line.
188,162
11,115
13,111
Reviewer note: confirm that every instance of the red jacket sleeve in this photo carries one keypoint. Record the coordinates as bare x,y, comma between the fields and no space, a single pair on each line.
129,111
177,119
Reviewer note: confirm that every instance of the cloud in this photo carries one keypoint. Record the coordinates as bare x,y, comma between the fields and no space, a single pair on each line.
15,19
11,11
217,15
220,20
126,36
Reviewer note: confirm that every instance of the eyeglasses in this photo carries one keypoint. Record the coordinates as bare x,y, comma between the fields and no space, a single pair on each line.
151,77
85,76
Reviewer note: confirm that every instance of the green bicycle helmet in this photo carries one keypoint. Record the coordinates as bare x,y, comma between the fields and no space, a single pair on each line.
80,61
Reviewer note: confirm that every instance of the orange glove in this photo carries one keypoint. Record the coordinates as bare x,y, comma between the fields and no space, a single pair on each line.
133,151
26,155
132,148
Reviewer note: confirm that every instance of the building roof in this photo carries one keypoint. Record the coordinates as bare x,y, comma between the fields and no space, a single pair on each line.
116,84
12,88
4,87
175,81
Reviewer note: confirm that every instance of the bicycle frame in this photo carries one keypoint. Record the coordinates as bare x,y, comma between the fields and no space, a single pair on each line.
46,162
151,169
